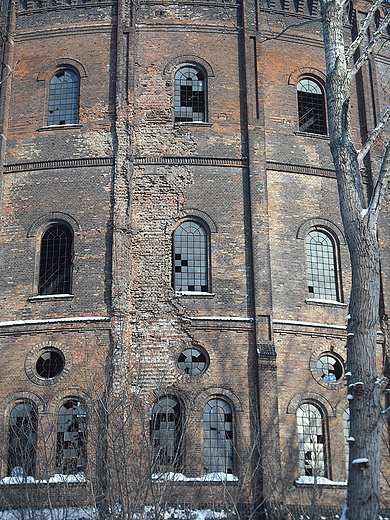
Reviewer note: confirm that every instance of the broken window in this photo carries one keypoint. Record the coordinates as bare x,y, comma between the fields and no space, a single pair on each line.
190,258
71,438
321,266
50,364
311,441
55,266
23,426
311,107
189,95
346,430
192,361
329,368
166,433
63,98
218,437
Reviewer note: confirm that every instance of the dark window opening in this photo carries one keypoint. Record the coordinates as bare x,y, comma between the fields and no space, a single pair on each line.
55,266
166,434
311,108
189,95
63,98
192,362
71,438
23,426
50,364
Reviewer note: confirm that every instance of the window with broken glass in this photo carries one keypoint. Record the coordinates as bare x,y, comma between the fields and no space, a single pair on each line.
63,98
192,361
23,427
189,95
330,368
321,266
311,441
55,267
71,438
190,258
218,437
166,434
311,107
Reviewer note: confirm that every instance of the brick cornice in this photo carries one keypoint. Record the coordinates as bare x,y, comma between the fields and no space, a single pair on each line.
296,168
196,161
61,163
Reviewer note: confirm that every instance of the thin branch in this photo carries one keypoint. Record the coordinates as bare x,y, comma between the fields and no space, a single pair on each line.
374,136
385,414
371,46
291,26
381,182
363,31
9,73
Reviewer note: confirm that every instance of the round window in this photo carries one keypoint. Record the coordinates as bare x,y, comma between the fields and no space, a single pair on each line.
192,361
329,368
50,364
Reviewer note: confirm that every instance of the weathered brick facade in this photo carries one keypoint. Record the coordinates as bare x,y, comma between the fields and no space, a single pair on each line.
122,176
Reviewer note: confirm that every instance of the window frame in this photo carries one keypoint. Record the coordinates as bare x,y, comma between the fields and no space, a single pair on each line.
81,438
176,461
33,444
324,115
326,470
207,459
336,264
74,109
202,70
206,230
38,258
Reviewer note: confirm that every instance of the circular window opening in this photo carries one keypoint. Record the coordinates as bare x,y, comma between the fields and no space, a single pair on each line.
50,364
192,361
329,368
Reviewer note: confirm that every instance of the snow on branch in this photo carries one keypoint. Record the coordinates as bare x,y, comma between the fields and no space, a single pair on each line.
363,31
371,46
374,136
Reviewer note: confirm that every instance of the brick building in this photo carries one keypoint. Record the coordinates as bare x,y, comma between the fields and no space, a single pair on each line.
172,252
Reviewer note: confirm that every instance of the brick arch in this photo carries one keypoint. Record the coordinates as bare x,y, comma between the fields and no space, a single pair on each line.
223,393
323,223
62,63
198,214
306,71
310,397
181,61
55,216
17,397
54,405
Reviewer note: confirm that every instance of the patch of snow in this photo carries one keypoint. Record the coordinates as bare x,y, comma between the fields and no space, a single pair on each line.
350,335
19,480
179,514
66,513
364,212
209,477
362,460
319,480
78,477
351,439
349,397
348,374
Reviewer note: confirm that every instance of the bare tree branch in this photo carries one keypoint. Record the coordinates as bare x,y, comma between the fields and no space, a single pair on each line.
363,31
374,136
381,182
291,26
9,73
371,46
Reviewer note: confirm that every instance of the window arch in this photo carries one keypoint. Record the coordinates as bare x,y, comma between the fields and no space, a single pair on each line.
63,98
218,436
190,258
323,272
166,433
189,92
56,258
311,441
71,438
311,107
23,427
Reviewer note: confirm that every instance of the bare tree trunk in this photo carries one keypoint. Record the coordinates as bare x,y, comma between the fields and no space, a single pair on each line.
360,225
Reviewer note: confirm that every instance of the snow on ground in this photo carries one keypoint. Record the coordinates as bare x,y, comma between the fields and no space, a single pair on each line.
319,480
209,477
66,513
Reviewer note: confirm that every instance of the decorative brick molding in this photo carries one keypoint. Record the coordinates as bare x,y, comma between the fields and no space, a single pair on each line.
195,161
61,163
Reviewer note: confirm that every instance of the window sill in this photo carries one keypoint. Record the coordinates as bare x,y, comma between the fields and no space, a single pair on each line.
59,127
193,123
330,303
194,294
51,297
309,134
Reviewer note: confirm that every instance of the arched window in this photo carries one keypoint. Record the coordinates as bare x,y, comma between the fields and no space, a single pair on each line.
218,437
55,266
63,98
190,258
322,272
346,430
71,438
166,433
311,107
311,441
23,426
190,103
